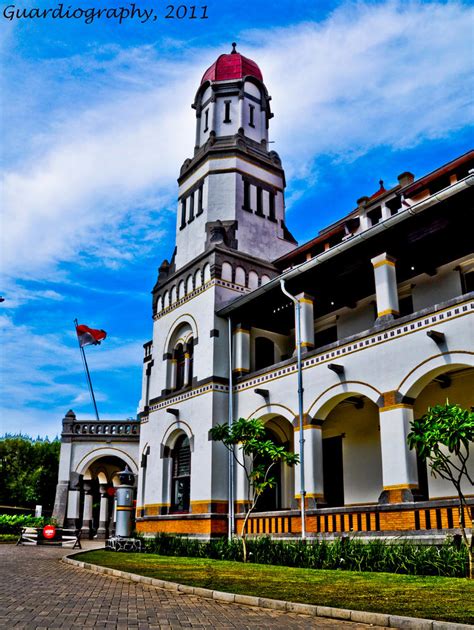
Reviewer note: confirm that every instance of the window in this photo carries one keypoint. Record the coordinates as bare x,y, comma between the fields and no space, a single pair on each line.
405,305
259,210
326,336
227,111
183,214
252,116
181,475
467,281
246,204
271,211
206,120
191,207
264,353
200,190
179,358
375,215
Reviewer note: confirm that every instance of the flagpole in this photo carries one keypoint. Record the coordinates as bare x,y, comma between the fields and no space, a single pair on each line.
88,376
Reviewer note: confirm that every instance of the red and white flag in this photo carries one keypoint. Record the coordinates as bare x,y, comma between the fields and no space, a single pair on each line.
89,336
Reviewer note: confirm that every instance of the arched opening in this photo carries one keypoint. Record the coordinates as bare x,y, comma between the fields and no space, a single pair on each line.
264,353
189,355
94,512
279,496
352,459
181,475
457,387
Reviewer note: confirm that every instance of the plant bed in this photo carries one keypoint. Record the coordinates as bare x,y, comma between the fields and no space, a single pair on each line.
429,597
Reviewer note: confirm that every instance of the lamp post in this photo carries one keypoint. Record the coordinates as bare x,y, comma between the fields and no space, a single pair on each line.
124,493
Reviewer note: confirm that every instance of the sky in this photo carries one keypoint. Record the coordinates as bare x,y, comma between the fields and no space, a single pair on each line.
96,122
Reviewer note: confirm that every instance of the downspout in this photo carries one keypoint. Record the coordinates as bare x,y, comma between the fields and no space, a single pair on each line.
300,403
230,419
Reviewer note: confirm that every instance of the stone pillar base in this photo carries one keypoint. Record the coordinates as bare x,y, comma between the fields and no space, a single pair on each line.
402,495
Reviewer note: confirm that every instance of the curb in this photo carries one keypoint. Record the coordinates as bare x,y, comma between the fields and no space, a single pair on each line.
376,619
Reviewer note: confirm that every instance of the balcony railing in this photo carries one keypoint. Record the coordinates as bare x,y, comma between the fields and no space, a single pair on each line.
129,429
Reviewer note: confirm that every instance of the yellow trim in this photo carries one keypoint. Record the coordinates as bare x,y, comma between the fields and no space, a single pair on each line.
388,311
308,426
241,370
241,330
124,509
386,261
252,415
310,495
306,301
397,406
401,486
307,344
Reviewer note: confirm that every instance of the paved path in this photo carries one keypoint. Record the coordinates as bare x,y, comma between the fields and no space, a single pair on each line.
38,591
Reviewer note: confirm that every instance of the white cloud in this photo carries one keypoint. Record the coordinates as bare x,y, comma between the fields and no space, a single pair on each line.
102,172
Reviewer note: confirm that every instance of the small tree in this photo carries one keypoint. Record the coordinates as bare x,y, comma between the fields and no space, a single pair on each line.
251,438
442,437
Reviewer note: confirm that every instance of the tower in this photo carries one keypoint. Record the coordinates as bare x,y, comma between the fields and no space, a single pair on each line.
230,226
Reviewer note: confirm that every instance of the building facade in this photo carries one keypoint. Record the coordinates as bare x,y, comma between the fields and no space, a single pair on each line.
386,301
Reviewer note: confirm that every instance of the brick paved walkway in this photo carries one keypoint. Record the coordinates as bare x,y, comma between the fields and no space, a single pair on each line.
37,591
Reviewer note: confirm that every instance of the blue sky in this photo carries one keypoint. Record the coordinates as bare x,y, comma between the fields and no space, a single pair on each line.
96,122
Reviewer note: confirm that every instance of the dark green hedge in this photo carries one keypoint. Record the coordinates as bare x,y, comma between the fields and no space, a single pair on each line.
448,560
12,523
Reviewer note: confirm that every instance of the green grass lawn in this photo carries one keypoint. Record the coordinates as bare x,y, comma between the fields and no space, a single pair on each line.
447,599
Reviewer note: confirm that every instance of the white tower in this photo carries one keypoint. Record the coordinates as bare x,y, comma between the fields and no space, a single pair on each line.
233,177
230,226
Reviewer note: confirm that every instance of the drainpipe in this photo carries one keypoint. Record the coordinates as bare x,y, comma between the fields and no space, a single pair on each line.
230,419
300,402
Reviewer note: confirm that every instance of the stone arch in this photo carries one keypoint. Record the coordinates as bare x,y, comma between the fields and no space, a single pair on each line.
422,374
181,290
265,279
206,273
322,406
174,430
189,284
197,279
172,295
84,464
271,410
164,300
240,276
181,321
253,280
226,272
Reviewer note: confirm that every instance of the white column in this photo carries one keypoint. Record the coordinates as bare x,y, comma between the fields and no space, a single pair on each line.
173,373
307,320
73,501
385,286
399,469
241,111
213,114
104,509
87,510
186,369
241,493
263,125
241,354
386,214
313,463
198,129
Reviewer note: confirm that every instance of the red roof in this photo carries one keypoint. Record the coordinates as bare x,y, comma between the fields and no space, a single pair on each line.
232,66
379,192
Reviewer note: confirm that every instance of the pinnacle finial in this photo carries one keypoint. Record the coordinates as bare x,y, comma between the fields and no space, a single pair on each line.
381,183
234,46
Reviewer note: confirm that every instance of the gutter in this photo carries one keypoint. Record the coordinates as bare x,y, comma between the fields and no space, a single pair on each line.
417,208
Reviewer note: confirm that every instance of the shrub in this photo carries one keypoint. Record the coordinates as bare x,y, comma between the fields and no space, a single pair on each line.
343,553
12,523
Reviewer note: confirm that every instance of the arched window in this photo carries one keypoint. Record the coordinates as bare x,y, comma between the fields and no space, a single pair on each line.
264,353
181,475
180,361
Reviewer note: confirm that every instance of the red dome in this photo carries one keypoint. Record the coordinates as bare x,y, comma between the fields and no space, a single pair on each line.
232,66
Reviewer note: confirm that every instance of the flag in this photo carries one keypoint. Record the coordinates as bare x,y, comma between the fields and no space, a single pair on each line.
89,336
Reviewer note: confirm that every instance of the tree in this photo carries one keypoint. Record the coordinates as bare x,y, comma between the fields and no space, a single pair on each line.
259,454
28,471
442,437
